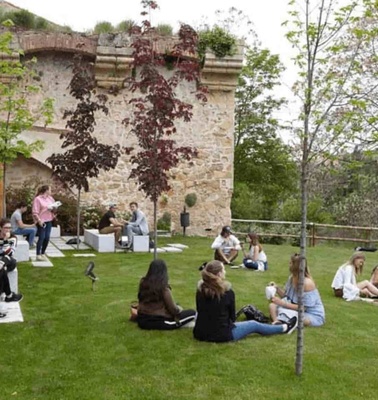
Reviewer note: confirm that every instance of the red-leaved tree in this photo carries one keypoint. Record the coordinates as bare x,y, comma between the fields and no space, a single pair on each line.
85,156
157,107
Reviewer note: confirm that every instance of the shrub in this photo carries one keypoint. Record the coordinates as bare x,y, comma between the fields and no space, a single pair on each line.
164,223
164,30
103,27
190,199
92,215
67,214
126,25
219,41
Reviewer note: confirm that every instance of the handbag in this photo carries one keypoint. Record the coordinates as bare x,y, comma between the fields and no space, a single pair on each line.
253,313
133,311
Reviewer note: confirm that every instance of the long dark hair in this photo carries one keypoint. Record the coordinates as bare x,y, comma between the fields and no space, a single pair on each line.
254,240
151,287
212,284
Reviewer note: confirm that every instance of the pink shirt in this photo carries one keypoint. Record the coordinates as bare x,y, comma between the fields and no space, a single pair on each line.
40,210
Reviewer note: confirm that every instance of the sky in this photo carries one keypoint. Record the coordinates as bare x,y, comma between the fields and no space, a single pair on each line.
266,15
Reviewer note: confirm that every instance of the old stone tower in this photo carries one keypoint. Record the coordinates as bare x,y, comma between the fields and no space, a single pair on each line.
210,176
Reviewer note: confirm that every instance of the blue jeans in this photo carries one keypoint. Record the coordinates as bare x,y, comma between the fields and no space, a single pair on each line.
130,232
245,328
29,232
248,263
43,237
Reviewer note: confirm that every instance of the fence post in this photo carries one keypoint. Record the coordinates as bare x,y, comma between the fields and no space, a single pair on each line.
313,233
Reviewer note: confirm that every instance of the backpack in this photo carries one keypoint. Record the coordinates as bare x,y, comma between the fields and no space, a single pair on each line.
253,313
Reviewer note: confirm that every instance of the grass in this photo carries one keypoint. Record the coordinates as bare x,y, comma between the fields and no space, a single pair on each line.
79,344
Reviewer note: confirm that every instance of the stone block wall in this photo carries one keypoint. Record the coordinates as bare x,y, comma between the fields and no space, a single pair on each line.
210,175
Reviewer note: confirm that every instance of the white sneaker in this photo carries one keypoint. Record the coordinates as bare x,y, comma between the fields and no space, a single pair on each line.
40,257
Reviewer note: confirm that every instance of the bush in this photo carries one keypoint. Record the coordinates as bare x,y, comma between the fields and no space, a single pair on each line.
190,199
66,216
92,215
25,192
103,27
219,41
164,223
164,30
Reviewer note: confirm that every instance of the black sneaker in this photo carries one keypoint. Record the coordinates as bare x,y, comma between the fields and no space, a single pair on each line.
14,297
291,325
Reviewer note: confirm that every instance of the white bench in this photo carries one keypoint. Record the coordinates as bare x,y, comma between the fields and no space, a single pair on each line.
103,243
13,280
141,243
21,252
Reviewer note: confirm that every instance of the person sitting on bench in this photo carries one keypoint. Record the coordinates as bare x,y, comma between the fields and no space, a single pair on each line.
110,224
137,225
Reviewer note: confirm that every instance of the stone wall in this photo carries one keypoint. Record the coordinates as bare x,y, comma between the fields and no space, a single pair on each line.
210,175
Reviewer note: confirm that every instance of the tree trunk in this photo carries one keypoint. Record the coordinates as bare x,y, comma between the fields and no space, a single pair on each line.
78,221
4,211
155,229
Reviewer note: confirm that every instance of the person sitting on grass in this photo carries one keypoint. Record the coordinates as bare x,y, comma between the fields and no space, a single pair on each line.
374,276
216,311
226,246
345,283
256,258
156,308
285,305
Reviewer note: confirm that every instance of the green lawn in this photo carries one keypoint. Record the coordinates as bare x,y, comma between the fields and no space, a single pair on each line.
79,344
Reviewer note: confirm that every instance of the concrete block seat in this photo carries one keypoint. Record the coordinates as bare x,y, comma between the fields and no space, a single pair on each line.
103,243
141,243
21,252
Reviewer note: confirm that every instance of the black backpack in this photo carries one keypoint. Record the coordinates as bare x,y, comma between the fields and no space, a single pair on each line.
253,313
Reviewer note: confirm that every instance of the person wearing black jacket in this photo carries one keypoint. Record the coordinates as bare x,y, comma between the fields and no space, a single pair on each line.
216,311
156,308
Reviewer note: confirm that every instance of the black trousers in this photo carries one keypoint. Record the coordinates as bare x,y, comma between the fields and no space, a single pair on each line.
163,323
4,283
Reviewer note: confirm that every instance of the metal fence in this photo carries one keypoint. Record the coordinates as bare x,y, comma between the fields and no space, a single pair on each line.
316,233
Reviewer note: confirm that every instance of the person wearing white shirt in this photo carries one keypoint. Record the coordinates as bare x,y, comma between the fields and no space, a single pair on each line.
256,258
226,246
345,283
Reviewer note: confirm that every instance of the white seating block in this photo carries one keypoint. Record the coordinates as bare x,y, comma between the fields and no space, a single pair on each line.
141,243
21,252
103,243
13,280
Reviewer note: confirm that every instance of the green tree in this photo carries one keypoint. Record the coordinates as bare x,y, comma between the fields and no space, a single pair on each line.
262,161
15,96
321,33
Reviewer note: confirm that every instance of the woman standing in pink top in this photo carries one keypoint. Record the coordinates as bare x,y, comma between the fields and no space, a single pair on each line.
43,216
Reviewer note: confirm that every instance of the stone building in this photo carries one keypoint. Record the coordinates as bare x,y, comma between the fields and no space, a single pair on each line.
210,176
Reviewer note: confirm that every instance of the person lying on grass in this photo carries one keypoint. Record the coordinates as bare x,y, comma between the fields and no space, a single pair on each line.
345,283
285,305
156,308
216,311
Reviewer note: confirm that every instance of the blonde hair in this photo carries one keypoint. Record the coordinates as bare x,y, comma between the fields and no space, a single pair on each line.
212,284
356,256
